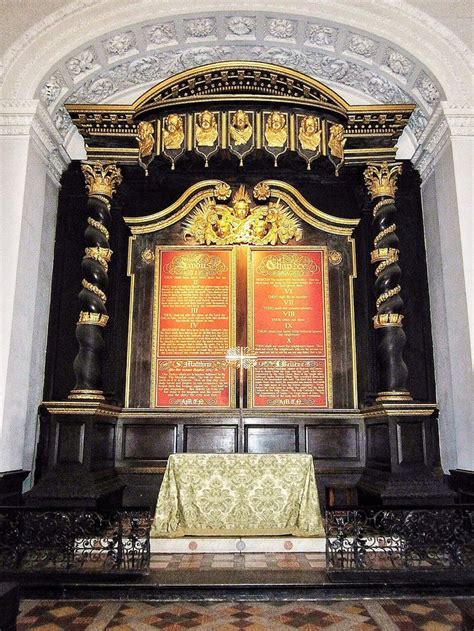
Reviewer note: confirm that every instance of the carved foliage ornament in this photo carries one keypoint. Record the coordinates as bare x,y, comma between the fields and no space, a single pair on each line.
321,35
161,33
241,26
218,224
82,62
381,179
101,178
120,44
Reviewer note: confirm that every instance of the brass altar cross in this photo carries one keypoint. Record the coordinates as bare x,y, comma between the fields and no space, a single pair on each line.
243,358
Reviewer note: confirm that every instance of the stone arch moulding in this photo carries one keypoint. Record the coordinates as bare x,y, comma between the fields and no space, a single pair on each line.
127,45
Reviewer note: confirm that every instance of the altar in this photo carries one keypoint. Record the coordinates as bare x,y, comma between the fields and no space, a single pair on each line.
238,495
241,300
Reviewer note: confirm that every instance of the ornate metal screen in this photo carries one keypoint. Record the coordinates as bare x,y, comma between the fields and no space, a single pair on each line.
74,540
378,539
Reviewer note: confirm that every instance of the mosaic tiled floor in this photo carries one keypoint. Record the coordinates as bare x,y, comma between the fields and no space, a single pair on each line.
267,561
435,614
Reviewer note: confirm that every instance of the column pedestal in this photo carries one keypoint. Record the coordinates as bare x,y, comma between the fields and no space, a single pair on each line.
80,457
402,465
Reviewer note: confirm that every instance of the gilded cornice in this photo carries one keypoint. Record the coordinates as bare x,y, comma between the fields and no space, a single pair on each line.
206,189
370,131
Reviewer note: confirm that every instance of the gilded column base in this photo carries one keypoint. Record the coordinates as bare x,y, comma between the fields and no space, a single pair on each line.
87,395
393,395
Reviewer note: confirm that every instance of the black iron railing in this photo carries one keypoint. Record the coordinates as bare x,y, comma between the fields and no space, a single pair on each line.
384,539
74,540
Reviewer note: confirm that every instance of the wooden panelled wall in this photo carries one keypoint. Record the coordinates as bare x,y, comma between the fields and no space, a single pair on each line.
138,441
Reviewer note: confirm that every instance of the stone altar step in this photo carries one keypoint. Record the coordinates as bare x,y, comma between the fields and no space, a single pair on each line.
224,545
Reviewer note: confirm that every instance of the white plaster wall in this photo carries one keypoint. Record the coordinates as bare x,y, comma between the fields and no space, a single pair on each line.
462,153
12,179
27,211
449,315
40,328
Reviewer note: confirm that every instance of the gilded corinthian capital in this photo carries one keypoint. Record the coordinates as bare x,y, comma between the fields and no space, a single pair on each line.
101,177
381,178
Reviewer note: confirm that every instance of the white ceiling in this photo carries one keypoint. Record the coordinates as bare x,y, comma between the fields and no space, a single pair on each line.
17,16
93,71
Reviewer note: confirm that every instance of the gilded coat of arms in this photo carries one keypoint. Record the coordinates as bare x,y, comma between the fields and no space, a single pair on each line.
213,223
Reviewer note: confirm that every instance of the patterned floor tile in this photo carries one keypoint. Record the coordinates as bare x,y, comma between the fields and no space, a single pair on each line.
440,614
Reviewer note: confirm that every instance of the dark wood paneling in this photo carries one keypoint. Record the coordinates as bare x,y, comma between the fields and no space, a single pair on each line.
411,446
261,439
333,442
344,196
145,442
141,489
11,483
210,439
103,442
378,445
70,443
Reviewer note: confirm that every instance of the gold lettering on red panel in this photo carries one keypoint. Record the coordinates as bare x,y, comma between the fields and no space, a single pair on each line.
288,322
194,327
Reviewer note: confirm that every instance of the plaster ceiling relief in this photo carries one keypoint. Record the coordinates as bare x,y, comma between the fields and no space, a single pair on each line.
398,64
146,53
281,29
321,35
200,28
54,35
120,44
160,34
241,26
361,46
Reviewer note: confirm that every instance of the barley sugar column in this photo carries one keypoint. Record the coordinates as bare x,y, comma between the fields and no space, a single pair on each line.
101,181
79,470
381,180
400,434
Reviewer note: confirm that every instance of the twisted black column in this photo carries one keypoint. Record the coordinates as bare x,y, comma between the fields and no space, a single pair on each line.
101,180
381,179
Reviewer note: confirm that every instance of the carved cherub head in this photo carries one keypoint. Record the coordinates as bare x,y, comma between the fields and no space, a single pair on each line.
310,125
206,120
173,123
241,203
276,121
240,120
